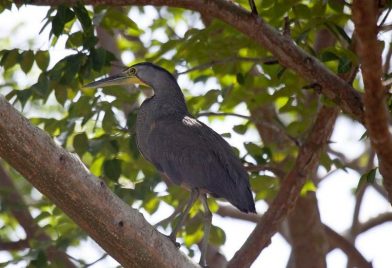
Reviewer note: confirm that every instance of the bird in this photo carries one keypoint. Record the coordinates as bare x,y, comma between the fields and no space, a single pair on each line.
182,148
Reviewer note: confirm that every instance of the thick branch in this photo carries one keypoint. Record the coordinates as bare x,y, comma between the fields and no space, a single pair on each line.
290,188
282,47
309,244
59,175
365,13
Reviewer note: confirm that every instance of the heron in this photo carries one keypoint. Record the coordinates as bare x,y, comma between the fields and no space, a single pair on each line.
183,149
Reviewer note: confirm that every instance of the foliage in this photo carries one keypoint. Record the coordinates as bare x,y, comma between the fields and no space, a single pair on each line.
98,125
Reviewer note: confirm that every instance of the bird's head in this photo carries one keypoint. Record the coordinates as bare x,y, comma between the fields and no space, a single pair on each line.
144,73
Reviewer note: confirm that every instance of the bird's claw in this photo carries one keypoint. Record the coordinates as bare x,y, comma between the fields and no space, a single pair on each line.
203,265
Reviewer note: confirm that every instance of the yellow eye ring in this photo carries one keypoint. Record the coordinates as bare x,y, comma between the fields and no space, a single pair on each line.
131,71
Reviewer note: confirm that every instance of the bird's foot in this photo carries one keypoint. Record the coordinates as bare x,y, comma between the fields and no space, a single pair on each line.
203,263
173,239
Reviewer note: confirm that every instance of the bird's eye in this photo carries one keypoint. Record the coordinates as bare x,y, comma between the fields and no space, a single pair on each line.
131,71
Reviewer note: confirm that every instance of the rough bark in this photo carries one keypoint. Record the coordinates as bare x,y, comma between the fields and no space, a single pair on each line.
62,177
309,243
365,15
281,46
308,240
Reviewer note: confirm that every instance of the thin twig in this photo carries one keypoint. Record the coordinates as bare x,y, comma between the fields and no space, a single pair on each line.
374,222
96,261
267,167
384,18
207,65
222,114
14,245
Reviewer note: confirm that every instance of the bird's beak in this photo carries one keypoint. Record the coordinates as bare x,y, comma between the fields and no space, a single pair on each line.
115,80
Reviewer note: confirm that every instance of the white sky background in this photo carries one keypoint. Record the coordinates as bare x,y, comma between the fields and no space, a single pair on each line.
336,201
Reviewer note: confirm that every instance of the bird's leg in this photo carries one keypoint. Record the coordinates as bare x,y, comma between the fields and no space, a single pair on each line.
177,211
253,8
207,228
192,199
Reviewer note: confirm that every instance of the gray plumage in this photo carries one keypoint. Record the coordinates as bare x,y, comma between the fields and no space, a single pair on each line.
187,151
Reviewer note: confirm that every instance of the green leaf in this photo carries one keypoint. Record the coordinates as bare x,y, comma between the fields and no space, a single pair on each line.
371,175
302,11
368,177
99,58
344,65
336,5
260,154
192,237
27,61
75,40
10,58
80,143
217,236
42,59
82,15
112,169
328,55
151,205
115,19
41,88
24,95
240,129
308,187
63,15
264,186
60,92
80,108
40,260
109,121
240,78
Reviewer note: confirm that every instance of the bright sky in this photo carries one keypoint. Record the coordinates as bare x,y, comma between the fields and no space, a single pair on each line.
335,197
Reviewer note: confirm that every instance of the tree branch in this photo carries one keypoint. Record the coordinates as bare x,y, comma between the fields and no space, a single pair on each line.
266,167
222,114
14,245
373,222
59,175
354,256
365,13
266,60
290,188
282,47
309,242
335,240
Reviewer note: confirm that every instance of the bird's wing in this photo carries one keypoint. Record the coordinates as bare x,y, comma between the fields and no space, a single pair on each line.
193,155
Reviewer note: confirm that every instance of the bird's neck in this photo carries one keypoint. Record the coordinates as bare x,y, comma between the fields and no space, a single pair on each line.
170,99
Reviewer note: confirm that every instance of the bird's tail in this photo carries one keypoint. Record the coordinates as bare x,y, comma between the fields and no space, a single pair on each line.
245,202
